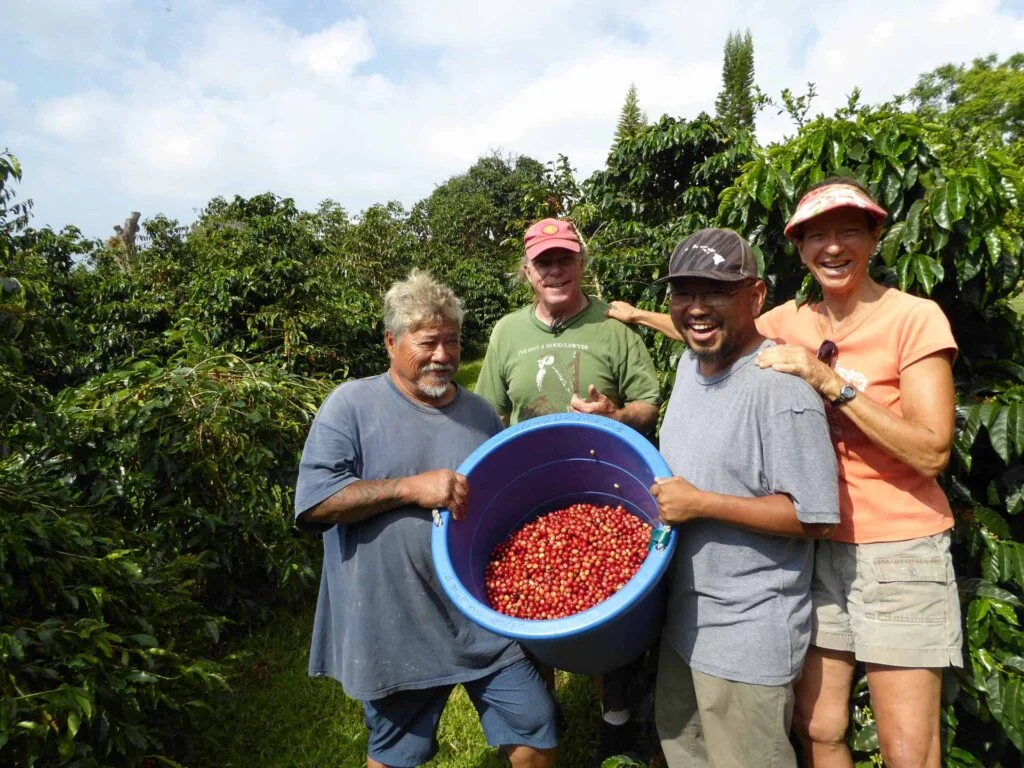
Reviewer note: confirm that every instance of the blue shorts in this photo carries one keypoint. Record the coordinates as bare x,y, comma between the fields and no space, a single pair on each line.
514,705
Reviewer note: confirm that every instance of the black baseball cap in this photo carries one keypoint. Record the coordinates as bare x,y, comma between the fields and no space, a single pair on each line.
716,254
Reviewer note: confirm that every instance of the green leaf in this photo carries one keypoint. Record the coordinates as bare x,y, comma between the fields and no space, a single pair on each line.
910,177
991,561
912,232
938,206
766,194
806,286
997,593
997,431
1010,192
74,722
961,758
905,270
925,270
1013,662
1006,613
758,258
757,181
1013,711
620,761
993,521
890,247
786,183
65,747
994,697
815,145
972,423
211,630
984,660
893,187
977,610
995,246
1013,553
956,196
1015,427
866,739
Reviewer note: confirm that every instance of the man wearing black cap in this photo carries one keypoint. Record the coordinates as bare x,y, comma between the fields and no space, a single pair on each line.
754,480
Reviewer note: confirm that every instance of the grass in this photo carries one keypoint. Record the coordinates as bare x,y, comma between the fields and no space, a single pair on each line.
278,717
468,372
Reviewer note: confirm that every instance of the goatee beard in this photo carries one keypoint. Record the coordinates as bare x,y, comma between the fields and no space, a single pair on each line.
434,392
724,352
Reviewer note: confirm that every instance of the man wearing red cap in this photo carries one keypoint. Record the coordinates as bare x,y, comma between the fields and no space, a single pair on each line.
559,354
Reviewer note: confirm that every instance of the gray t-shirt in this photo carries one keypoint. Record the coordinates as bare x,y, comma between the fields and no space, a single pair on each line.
739,603
383,624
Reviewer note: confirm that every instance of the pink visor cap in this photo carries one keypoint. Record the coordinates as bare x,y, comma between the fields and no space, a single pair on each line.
550,233
825,199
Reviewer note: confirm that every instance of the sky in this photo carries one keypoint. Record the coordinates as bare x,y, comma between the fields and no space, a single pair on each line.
160,105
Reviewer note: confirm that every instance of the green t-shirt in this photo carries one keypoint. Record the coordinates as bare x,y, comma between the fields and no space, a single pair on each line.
530,370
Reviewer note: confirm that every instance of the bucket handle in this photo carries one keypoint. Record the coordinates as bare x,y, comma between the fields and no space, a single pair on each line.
659,537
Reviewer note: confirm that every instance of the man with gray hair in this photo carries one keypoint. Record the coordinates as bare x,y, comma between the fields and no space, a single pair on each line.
379,457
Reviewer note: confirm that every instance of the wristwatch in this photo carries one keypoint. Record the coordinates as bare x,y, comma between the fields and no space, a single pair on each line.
846,394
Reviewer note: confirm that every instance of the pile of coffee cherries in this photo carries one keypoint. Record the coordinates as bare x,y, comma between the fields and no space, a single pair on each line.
566,561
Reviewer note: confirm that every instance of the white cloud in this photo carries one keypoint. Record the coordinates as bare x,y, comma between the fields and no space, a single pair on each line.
470,24
76,118
337,50
190,103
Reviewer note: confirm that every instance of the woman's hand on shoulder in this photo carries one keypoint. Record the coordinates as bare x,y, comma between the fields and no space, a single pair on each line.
797,361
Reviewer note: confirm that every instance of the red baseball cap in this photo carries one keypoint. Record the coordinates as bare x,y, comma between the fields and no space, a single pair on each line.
550,233
827,198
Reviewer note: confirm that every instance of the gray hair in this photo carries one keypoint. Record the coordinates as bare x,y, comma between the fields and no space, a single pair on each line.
420,300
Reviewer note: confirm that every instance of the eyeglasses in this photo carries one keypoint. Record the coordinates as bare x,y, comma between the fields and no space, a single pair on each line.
828,352
716,298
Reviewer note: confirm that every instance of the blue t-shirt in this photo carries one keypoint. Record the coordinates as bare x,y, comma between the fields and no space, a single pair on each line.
383,624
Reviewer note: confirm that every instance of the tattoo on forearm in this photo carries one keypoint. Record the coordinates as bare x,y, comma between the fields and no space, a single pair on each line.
371,494
359,500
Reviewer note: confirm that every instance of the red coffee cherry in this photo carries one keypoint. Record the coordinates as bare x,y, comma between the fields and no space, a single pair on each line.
566,561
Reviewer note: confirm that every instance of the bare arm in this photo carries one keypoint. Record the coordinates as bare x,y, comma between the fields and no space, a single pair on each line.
921,438
659,321
639,415
679,501
365,498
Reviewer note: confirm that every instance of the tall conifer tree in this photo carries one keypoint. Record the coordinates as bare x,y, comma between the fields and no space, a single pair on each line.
631,118
735,103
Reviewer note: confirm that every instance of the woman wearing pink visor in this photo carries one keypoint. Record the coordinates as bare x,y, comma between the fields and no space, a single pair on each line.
884,592
883,588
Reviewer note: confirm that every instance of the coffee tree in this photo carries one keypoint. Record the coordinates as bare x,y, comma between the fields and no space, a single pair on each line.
101,639
659,184
954,237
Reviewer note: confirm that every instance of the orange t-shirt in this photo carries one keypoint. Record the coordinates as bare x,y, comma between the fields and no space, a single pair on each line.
880,497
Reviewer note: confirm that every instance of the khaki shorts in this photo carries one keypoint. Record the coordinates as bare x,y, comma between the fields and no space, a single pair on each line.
708,722
890,602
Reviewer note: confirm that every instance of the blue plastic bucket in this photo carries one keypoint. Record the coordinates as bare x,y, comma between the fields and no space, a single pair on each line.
538,466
